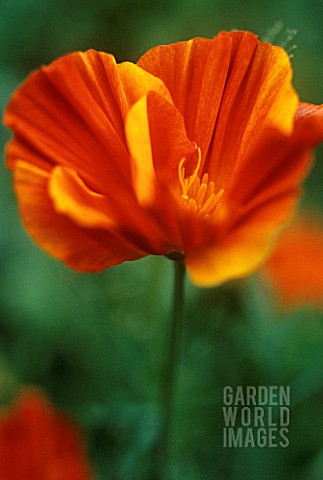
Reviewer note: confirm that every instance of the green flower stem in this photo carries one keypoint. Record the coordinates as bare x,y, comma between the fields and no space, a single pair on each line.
168,384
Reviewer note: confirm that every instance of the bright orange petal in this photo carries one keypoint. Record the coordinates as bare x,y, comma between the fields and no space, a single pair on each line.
258,95
68,121
169,140
86,230
295,267
157,142
247,229
133,226
309,124
263,192
232,259
276,163
80,248
71,197
39,443
238,250
135,83
138,136
72,112
195,73
228,89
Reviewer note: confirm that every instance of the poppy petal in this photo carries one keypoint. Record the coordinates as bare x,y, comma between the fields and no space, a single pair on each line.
87,112
40,442
297,279
80,248
268,195
282,163
309,124
249,224
194,73
69,119
258,95
227,89
157,142
73,198
241,250
169,140
135,82
138,137
226,261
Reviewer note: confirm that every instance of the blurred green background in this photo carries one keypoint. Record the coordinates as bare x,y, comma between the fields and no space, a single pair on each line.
95,343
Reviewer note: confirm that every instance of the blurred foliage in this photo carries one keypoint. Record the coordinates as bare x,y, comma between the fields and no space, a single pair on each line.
96,343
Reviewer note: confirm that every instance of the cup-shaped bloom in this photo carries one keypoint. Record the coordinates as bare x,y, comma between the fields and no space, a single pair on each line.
195,152
294,269
38,442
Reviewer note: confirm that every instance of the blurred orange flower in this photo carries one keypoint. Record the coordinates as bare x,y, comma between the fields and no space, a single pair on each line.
39,443
195,152
294,270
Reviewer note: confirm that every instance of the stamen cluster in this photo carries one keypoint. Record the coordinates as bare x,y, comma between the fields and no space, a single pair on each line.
199,195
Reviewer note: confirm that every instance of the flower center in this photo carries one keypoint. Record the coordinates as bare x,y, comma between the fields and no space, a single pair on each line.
199,195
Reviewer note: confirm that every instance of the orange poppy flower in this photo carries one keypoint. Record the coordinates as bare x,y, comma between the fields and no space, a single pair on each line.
294,269
39,443
196,152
